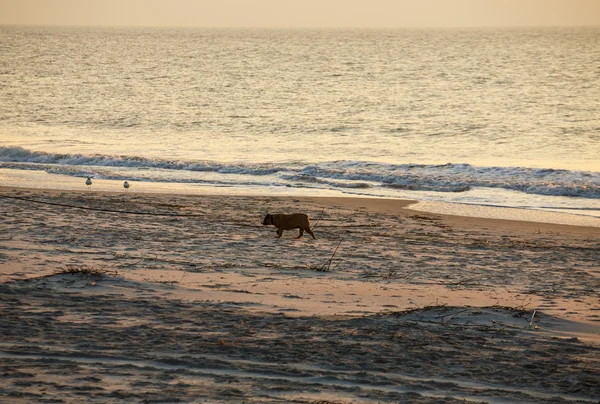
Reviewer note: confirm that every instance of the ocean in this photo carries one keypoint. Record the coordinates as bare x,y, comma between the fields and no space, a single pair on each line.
492,122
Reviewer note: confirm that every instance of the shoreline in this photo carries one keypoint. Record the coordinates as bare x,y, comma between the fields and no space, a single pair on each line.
382,205
537,209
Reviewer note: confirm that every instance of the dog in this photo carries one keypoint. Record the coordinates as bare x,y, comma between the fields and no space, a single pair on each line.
289,222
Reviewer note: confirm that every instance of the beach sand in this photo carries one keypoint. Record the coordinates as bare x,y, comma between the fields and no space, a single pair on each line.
188,298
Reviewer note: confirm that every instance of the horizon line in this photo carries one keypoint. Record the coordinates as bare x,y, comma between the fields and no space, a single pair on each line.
300,27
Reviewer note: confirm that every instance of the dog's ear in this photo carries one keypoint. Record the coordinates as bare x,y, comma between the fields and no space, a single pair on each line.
266,219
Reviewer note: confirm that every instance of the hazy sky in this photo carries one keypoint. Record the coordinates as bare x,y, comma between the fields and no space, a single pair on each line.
302,13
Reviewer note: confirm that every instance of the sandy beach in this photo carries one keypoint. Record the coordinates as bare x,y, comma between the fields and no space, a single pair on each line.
130,297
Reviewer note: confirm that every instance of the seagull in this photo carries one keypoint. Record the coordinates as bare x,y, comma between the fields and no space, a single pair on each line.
126,185
88,182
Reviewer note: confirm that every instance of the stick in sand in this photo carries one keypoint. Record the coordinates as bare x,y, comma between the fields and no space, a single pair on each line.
532,316
328,263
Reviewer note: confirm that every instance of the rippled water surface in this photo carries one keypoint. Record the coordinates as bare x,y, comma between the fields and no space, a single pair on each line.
396,113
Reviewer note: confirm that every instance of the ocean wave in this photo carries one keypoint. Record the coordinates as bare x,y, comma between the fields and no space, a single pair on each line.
344,175
429,187
21,155
462,177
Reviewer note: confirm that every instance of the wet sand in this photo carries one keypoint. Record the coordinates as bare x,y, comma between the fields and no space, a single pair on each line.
187,298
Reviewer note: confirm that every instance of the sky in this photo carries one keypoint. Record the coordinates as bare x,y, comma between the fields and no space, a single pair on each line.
302,13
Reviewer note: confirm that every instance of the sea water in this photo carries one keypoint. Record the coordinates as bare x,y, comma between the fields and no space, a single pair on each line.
458,117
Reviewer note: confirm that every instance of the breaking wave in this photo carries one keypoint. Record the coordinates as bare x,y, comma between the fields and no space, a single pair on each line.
351,175
21,155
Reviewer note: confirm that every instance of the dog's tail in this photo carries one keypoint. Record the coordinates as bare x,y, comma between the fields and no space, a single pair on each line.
318,219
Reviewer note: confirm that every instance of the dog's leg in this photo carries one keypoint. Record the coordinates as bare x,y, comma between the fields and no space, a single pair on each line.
279,233
301,232
309,231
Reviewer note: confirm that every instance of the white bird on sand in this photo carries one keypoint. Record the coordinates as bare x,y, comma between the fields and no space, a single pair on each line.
126,185
88,182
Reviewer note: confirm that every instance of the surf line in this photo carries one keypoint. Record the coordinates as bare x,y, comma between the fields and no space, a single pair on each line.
128,212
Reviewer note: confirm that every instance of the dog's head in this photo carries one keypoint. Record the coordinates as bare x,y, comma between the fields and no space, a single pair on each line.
267,220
